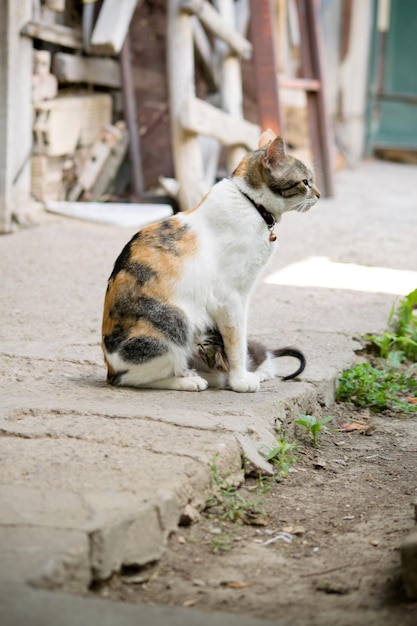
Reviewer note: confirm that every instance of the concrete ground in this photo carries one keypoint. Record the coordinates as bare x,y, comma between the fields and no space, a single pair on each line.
93,478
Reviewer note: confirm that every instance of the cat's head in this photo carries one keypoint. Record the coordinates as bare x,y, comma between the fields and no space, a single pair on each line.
273,178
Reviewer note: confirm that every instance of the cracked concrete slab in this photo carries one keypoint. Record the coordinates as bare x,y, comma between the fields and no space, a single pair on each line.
93,478
44,557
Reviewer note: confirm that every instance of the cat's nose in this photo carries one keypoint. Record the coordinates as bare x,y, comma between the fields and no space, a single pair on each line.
316,191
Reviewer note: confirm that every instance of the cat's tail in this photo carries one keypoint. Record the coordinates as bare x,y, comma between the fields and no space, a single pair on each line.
297,354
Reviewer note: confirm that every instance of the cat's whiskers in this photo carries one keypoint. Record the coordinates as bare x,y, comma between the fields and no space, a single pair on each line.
304,205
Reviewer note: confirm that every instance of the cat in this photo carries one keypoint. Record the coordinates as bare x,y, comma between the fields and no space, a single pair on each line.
210,358
196,270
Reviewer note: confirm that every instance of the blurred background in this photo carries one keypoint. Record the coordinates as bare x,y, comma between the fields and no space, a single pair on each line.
149,102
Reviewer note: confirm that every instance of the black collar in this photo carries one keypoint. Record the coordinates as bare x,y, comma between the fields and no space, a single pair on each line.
268,218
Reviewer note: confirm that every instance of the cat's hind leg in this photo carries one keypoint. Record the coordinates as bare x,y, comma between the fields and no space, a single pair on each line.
167,371
180,383
266,371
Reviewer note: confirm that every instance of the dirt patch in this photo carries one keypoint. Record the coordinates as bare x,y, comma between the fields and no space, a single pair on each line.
326,550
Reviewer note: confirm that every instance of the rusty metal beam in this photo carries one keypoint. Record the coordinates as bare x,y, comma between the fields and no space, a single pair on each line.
265,65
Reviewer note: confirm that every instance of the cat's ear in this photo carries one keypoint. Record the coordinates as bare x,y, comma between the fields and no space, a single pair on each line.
275,153
221,362
266,137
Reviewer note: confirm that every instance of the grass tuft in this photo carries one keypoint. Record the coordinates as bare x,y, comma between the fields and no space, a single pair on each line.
389,383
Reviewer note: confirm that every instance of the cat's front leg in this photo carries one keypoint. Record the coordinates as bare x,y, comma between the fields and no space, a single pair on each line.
243,382
233,331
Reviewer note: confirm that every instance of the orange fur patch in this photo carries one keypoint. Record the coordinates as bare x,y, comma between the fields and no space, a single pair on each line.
150,249
143,328
162,247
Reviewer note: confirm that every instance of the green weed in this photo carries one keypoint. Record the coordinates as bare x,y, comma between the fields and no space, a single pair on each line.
263,485
399,341
283,455
228,502
314,425
389,384
379,388
221,543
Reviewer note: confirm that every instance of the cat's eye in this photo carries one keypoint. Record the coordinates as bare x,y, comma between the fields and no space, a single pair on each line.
307,184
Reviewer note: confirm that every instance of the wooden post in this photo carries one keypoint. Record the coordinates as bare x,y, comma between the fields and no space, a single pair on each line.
180,63
231,81
131,117
311,67
192,117
15,111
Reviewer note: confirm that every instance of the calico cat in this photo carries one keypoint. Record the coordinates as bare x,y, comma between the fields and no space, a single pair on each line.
196,270
210,358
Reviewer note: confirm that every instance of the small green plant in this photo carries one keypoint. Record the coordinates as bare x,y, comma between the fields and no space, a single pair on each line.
283,455
314,425
221,543
230,504
263,485
389,383
399,341
379,388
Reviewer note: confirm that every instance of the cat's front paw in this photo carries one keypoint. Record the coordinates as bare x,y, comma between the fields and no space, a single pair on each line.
193,383
244,383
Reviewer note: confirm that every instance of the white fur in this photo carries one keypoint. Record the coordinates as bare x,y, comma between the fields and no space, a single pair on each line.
267,369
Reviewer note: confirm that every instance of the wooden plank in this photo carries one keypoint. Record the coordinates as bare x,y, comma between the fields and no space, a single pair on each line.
211,19
131,118
66,122
231,81
55,5
312,67
198,116
47,177
303,84
44,84
41,62
242,13
204,53
112,26
71,68
101,167
185,149
54,33
44,87
106,178
210,152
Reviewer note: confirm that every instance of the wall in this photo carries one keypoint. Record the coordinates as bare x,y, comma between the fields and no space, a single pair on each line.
347,78
15,111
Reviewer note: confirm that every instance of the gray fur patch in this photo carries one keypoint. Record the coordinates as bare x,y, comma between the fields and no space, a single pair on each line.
169,236
139,350
113,341
143,273
167,319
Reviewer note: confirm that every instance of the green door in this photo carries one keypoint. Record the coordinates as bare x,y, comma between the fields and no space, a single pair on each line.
392,119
